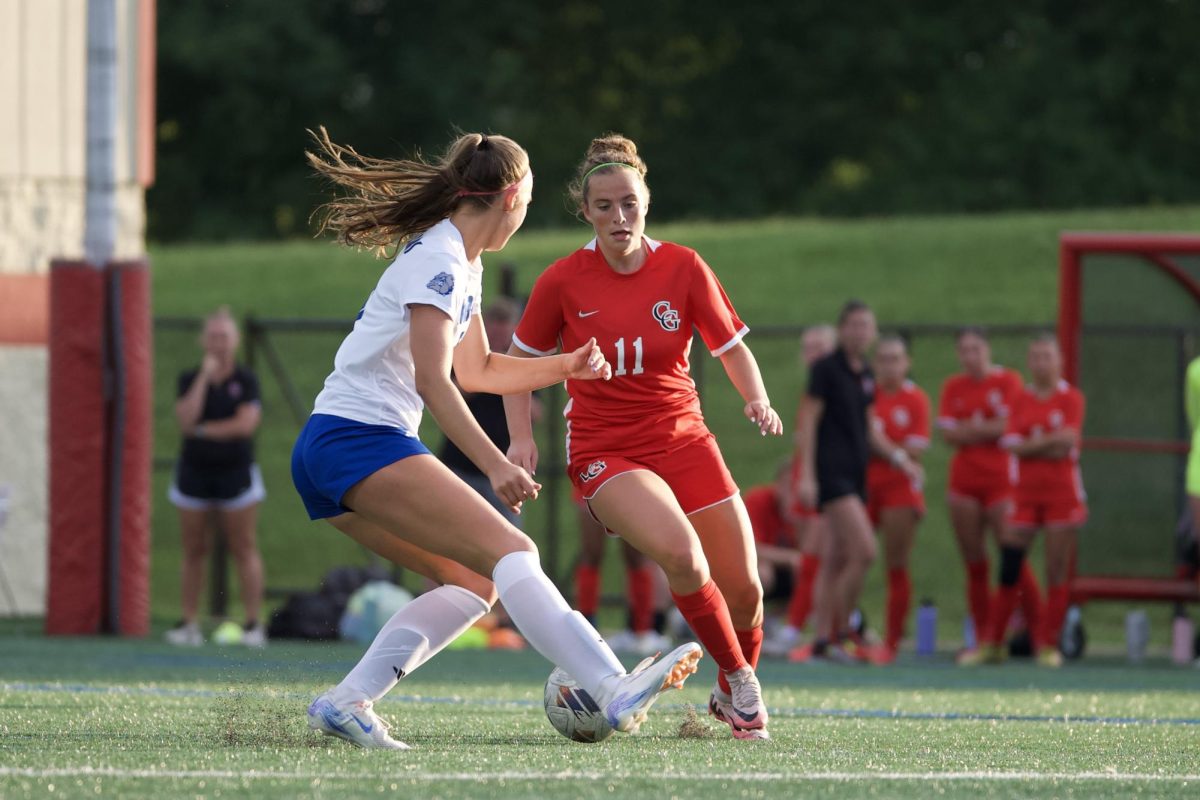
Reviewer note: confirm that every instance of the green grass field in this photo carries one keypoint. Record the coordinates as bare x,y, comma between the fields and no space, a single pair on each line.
86,717
986,269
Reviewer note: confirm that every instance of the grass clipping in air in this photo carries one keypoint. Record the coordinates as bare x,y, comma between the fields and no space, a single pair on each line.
693,726
254,718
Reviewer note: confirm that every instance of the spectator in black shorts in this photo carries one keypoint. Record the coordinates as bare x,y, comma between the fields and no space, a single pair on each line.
834,443
218,411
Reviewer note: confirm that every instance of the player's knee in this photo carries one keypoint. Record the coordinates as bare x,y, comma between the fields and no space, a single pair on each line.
683,564
454,574
745,600
1011,559
195,548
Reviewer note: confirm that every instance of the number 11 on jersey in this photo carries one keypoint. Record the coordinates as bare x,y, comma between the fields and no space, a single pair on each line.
637,357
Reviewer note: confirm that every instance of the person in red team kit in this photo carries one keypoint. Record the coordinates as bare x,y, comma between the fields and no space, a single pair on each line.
638,448
895,501
972,416
1043,433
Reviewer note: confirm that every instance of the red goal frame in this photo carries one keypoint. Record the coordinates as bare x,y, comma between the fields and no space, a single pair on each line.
1158,250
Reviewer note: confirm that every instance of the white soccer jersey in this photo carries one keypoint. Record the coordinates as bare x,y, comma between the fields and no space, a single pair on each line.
373,378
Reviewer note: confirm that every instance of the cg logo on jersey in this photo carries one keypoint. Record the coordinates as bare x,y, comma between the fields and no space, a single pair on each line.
666,316
593,470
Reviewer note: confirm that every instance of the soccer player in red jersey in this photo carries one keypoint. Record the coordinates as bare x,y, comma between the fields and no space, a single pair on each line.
1043,433
895,501
972,416
638,449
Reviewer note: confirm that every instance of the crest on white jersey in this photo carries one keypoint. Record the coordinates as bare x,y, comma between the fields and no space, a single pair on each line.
666,316
593,470
442,283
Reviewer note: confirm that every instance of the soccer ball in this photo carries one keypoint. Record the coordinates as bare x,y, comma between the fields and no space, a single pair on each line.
572,711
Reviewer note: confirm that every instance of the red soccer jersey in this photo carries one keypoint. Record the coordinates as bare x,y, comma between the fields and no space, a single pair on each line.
768,523
903,416
1032,416
643,324
965,398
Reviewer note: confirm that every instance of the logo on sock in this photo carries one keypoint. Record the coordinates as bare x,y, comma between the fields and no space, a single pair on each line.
399,672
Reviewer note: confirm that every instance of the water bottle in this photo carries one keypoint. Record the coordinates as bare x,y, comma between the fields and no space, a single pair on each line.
1181,636
1137,634
970,641
926,628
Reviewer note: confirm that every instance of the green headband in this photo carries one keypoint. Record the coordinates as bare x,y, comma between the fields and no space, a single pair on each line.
588,174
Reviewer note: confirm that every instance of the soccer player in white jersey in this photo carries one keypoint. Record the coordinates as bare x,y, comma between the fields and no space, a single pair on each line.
359,465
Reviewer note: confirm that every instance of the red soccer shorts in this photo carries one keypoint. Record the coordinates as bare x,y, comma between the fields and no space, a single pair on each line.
987,489
893,491
1032,511
695,472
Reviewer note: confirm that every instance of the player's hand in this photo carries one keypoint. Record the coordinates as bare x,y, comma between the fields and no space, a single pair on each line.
588,363
761,414
524,453
210,365
513,485
808,492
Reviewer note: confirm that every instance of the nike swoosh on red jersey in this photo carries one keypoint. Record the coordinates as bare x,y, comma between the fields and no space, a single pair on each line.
583,314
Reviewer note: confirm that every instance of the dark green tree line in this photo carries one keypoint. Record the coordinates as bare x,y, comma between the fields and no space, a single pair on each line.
746,109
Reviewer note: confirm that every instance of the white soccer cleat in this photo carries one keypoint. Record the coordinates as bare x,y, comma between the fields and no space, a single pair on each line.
627,699
720,707
746,704
185,634
781,642
356,722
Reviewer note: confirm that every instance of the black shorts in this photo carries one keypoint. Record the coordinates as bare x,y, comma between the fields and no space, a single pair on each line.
840,483
229,488
784,581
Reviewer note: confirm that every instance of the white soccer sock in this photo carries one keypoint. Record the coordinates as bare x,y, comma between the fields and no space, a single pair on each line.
414,634
554,630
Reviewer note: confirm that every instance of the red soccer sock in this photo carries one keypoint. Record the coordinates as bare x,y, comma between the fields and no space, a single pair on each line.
707,614
751,643
639,588
899,596
1057,598
587,590
978,596
801,602
1003,603
1031,600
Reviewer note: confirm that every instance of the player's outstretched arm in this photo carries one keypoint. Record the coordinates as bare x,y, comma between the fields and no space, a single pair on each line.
745,376
480,370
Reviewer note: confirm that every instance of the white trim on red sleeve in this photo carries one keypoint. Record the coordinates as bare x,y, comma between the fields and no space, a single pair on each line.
532,350
947,423
737,337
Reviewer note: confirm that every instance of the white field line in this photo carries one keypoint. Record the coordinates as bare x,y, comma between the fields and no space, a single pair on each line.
573,775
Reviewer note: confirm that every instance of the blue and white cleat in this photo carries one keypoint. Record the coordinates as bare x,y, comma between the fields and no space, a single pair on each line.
356,722
629,699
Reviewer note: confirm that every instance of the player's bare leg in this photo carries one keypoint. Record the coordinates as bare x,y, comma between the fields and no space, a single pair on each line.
240,528
851,528
196,536
642,509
